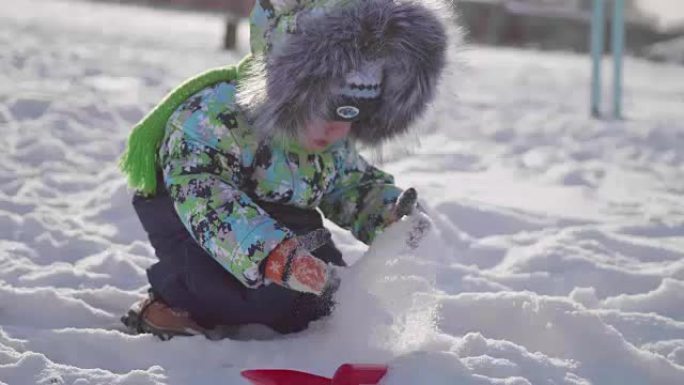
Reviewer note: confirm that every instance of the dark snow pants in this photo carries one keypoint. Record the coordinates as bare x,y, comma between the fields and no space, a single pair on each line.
187,277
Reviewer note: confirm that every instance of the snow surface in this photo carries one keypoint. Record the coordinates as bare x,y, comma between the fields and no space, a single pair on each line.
558,255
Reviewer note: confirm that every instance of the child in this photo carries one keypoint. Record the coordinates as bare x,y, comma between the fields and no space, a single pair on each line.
232,166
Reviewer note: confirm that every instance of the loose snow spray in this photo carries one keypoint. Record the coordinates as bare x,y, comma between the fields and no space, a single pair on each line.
387,300
400,284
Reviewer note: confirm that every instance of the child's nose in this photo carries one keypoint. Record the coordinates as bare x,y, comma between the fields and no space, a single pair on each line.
338,130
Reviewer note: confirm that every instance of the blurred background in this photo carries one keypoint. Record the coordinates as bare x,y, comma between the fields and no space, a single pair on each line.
655,28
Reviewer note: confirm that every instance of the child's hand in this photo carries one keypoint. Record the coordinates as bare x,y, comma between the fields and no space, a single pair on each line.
291,265
406,204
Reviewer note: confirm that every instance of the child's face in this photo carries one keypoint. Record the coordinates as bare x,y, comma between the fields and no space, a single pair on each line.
319,134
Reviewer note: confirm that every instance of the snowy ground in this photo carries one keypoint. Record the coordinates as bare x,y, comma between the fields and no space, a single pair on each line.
670,51
559,255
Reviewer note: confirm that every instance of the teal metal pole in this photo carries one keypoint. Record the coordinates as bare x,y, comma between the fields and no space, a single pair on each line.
598,28
618,54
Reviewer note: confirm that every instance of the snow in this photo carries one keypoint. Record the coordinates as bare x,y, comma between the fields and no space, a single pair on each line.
557,255
671,51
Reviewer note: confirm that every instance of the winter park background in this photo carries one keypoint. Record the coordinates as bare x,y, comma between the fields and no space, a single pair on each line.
558,255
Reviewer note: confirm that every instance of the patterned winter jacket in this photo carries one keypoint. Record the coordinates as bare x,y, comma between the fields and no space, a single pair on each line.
215,169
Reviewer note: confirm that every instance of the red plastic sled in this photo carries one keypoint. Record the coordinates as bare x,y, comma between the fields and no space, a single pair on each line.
347,374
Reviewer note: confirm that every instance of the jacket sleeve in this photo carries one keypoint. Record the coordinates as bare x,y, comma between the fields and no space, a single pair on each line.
203,175
361,197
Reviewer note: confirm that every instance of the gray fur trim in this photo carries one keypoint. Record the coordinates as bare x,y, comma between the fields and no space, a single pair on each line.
293,83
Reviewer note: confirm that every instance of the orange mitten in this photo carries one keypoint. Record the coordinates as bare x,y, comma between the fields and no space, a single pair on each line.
291,265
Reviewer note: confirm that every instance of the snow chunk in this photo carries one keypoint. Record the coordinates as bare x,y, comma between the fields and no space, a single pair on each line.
667,300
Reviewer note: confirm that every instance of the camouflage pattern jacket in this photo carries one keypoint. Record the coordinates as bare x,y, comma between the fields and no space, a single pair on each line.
215,169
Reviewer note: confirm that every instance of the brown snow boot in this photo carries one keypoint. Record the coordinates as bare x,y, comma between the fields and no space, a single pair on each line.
152,315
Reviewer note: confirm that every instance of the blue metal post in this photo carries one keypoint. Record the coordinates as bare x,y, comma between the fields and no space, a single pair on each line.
618,46
598,28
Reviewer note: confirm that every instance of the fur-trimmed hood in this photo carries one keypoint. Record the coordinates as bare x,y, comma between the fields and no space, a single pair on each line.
303,49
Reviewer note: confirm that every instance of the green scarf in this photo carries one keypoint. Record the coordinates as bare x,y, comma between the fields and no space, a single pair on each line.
140,158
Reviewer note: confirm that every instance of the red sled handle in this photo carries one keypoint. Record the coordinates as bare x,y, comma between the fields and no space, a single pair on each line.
347,374
359,374
283,377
